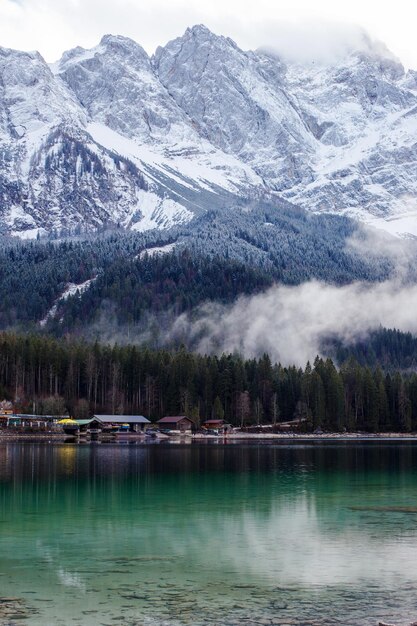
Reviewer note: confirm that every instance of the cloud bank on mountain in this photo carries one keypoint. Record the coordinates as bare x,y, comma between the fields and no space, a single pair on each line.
291,323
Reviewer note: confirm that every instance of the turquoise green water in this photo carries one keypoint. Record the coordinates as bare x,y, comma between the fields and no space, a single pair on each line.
209,534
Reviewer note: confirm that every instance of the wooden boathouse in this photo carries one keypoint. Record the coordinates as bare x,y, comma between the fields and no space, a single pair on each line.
130,423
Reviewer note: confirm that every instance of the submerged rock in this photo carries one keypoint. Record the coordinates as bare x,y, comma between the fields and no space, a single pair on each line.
13,609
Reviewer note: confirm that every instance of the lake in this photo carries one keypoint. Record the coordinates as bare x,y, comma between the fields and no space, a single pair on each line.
208,533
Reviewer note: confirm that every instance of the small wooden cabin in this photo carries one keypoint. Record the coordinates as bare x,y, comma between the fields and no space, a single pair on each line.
179,423
219,425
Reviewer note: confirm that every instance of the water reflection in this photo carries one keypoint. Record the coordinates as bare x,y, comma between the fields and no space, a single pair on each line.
296,532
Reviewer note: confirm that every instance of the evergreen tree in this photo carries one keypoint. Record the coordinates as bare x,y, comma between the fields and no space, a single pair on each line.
218,411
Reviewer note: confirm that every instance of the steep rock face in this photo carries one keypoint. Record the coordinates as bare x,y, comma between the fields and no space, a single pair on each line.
363,112
238,102
30,99
131,112
53,174
330,137
73,184
32,106
117,87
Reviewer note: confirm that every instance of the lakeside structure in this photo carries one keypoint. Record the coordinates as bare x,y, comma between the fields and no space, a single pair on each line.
19,425
29,427
130,423
218,425
177,423
10,420
133,425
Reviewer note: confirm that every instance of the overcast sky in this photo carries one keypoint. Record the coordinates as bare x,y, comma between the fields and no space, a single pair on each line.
316,27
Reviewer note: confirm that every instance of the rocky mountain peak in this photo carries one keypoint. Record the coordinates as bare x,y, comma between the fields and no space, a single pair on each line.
199,31
111,49
117,44
115,83
30,98
198,42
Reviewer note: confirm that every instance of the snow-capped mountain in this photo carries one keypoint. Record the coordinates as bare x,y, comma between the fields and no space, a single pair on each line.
364,116
111,135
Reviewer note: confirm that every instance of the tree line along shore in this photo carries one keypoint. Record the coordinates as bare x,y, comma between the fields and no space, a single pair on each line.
44,375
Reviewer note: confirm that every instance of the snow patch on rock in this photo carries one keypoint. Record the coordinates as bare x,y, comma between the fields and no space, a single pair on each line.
71,290
157,251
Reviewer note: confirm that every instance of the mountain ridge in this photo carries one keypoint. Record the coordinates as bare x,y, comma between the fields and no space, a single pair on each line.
112,135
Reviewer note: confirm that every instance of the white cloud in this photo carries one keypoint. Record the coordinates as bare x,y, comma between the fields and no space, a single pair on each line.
290,323
52,26
314,40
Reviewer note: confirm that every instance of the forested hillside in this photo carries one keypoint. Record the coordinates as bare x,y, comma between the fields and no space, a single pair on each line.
163,284
218,257
86,378
34,274
389,348
290,243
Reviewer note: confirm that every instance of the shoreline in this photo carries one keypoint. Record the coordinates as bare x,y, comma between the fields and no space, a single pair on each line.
235,437
311,436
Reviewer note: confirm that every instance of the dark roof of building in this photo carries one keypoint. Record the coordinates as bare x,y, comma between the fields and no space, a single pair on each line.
214,422
121,419
173,419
